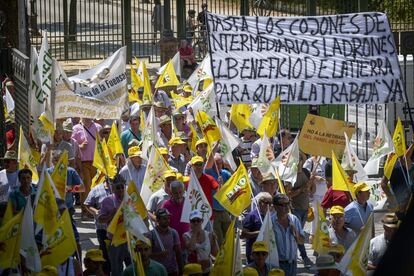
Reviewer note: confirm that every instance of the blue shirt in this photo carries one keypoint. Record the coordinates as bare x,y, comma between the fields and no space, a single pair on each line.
72,179
285,240
252,223
357,215
226,176
130,173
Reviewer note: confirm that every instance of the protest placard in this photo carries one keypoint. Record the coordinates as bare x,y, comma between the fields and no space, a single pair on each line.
320,136
100,92
337,59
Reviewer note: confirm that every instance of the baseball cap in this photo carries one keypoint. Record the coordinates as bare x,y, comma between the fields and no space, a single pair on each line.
48,270
163,151
390,220
201,141
165,119
176,141
192,269
162,212
169,173
10,155
324,262
195,214
187,88
250,271
268,177
134,151
276,272
95,255
337,210
260,246
196,159
361,187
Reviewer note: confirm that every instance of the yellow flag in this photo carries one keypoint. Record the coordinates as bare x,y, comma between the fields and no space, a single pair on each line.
46,211
101,158
168,77
26,158
61,245
117,227
209,128
47,124
179,101
206,83
60,174
399,139
147,95
194,138
10,237
235,195
114,142
133,97
270,120
389,164
321,241
280,183
97,179
8,214
135,80
239,115
137,200
225,258
339,177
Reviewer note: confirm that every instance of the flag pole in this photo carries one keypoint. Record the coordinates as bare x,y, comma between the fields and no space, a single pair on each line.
130,251
157,235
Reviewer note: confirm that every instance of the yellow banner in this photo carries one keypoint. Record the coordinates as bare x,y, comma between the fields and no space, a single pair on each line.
320,136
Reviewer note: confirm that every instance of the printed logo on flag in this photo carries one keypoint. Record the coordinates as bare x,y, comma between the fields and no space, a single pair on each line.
239,189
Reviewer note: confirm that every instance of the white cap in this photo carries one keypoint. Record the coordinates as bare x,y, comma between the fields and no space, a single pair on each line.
196,214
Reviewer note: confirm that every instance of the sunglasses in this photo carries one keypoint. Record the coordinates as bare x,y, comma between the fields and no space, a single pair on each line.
282,205
195,220
198,164
119,187
260,253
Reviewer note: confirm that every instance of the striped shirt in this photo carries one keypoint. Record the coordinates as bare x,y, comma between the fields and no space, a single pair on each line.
285,240
95,198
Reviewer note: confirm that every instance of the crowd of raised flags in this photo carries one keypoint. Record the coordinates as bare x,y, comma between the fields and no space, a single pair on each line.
42,236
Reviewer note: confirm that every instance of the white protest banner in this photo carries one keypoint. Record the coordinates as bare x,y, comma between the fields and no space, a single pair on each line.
100,92
337,59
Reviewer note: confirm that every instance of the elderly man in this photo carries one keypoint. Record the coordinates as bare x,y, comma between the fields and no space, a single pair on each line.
338,233
165,131
255,177
176,158
58,144
379,244
8,178
288,233
159,197
201,150
131,133
175,205
252,222
269,184
109,206
134,169
358,211
260,251
67,136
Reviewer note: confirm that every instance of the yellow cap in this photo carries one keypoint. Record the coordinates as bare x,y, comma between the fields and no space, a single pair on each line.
49,271
176,141
185,179
187,88
250,271
196,159
276,272
95,255
144,244
169,173
134,151
192,269
163,151
260,246
361,187
337,210
201,141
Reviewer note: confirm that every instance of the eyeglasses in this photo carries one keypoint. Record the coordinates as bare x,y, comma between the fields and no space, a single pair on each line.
195,220
119,187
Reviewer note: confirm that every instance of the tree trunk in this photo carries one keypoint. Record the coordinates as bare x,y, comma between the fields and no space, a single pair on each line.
72,20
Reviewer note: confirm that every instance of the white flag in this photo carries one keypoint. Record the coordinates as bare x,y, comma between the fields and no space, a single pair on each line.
287,162
263,162
9,101
202,72
258,111
355,260
228,143
267,235
133,222
351,161
196,199
176,60
37,100
149,135
383,145
28,246
153,178
205,101
45,63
